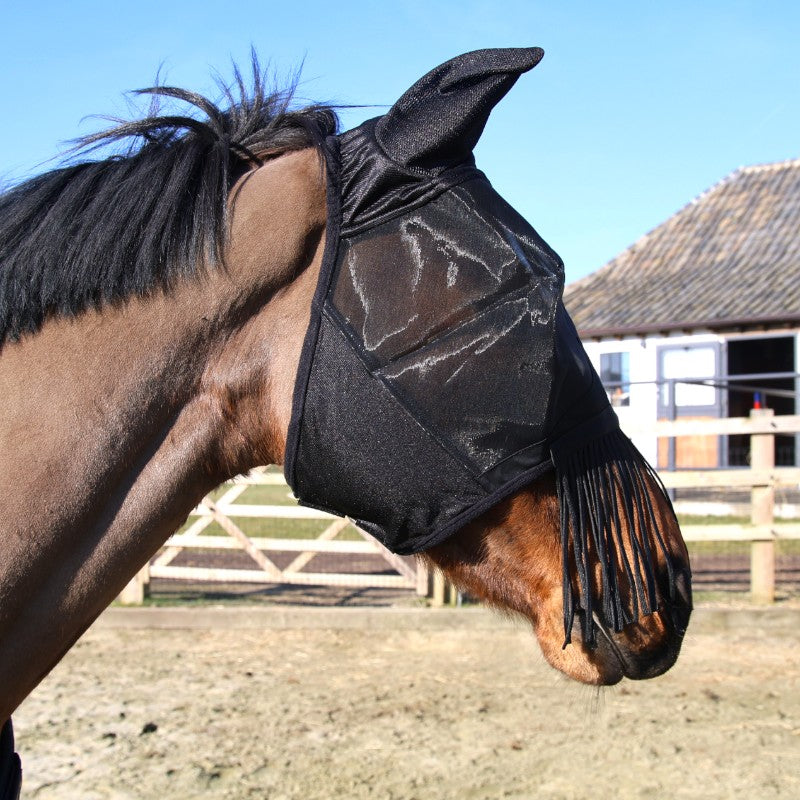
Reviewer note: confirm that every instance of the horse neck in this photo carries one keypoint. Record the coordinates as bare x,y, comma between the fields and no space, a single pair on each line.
120,420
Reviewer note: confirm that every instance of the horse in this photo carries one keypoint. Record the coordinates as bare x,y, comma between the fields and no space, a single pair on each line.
155,307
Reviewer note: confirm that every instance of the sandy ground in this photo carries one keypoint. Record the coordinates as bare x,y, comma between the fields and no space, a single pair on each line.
384,713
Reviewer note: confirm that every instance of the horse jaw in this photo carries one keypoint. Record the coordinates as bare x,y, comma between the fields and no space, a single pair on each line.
510,558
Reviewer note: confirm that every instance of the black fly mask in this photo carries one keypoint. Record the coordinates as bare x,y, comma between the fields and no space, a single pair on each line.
440,371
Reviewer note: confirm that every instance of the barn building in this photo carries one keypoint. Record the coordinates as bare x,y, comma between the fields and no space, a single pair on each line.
701,316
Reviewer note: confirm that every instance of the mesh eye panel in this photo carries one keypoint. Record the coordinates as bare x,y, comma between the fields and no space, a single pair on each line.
452,306
486,413
405,281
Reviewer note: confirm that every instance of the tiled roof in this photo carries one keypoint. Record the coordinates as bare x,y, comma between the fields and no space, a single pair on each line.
730,258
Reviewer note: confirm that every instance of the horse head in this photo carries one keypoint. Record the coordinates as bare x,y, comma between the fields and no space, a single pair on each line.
442,377
363,308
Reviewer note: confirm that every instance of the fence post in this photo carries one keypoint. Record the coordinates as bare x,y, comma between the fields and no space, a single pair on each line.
137,589
439,588
672,447
762,510
422,578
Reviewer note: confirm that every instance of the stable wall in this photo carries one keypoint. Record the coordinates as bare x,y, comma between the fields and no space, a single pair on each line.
647,401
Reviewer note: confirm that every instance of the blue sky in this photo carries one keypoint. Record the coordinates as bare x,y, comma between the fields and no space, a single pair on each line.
636,108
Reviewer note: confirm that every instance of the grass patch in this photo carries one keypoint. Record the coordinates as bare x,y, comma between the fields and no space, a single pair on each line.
270,527
697,519
719,596
273,528
783,547
718,548
264,495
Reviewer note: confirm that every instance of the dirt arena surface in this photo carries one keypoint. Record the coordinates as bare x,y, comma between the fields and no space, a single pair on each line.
383,710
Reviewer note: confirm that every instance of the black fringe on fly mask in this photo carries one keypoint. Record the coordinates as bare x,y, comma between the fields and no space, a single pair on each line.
604,490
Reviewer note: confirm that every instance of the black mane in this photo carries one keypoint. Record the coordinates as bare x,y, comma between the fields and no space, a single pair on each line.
100,231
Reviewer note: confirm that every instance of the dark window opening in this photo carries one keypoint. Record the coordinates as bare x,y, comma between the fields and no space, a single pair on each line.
615,375
753,357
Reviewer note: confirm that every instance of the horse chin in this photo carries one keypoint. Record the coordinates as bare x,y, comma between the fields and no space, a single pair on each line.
597,666
643,649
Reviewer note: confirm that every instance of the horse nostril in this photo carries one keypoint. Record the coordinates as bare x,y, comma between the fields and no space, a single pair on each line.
681,609
683,587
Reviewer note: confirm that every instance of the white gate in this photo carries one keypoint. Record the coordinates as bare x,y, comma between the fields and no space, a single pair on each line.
238,520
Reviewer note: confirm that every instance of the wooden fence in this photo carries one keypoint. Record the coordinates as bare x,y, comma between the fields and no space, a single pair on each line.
762,478
225,511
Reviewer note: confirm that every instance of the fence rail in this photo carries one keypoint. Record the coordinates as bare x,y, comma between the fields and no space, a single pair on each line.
752,425
734,478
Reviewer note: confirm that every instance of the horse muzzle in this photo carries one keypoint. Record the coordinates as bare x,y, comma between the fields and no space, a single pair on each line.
649,646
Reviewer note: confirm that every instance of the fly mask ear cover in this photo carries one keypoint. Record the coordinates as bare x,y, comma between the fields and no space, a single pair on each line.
440,371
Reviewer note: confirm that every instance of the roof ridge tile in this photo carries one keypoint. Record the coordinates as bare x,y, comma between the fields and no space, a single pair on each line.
739,232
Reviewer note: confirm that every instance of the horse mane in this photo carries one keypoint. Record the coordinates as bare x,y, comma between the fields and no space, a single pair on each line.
100,231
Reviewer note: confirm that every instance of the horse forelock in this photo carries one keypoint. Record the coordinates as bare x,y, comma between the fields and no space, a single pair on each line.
100,231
